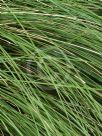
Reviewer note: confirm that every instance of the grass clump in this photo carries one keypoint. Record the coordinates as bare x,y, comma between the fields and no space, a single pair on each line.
50,67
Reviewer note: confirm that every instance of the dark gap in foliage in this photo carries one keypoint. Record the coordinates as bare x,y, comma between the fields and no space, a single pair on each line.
15,25
98,12
14,107
48,90
98,82
97,97
11,130
9,47
4,132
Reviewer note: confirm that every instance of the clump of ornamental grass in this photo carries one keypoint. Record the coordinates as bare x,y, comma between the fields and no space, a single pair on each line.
50,68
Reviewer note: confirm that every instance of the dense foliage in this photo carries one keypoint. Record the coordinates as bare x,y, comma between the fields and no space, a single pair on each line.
51,67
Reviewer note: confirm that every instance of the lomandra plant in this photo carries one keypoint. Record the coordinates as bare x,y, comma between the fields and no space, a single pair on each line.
51,67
